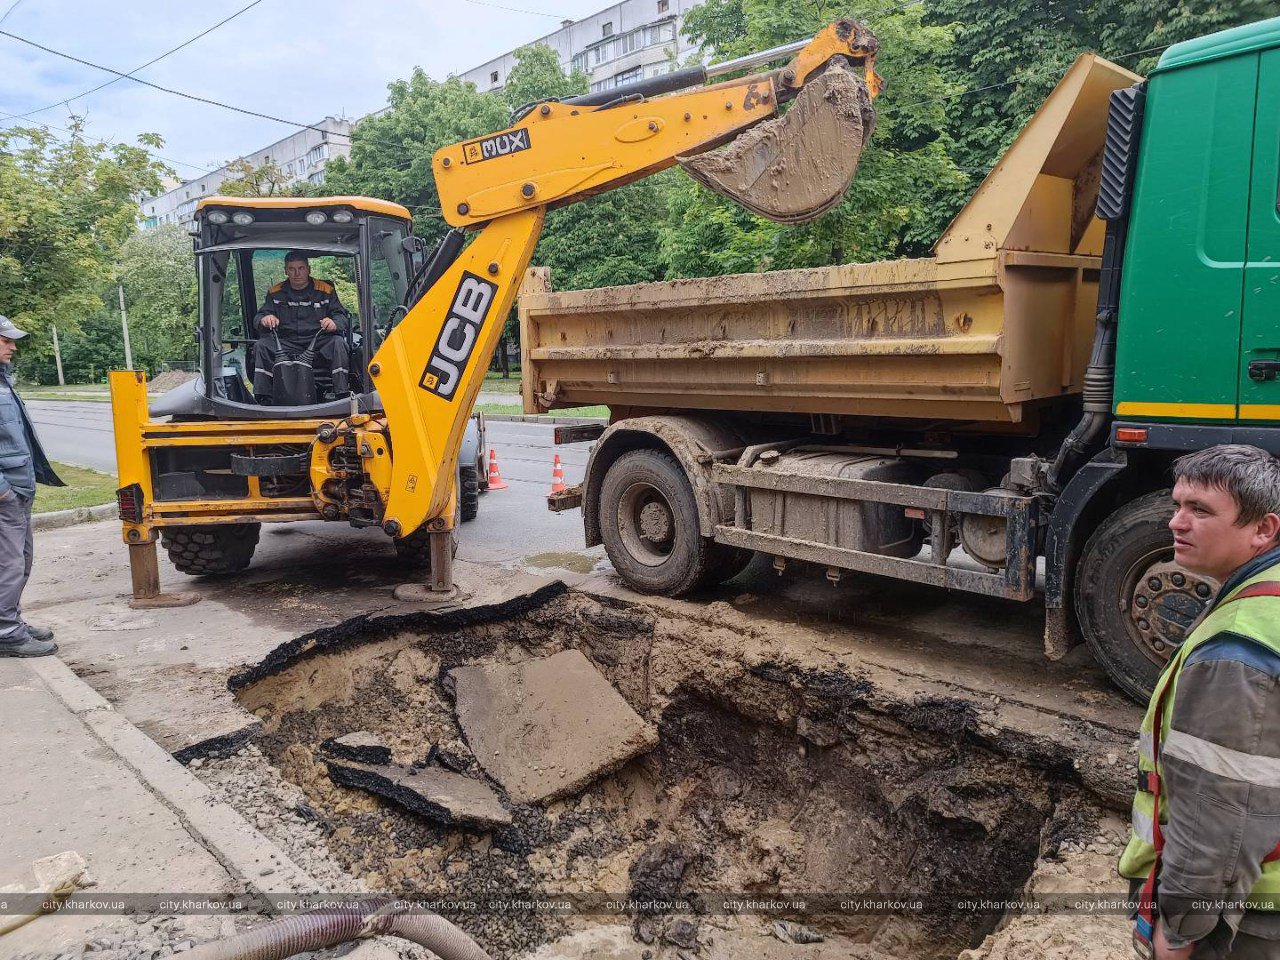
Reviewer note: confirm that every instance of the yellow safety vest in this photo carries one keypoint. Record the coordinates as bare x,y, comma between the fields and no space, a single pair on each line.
1251,610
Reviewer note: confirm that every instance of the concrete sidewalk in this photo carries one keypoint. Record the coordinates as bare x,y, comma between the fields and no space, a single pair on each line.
75,775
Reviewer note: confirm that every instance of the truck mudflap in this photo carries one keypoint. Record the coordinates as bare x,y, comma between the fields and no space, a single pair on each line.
567,499
1021,516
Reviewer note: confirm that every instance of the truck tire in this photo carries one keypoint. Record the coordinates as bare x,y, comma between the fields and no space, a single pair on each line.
1135,606
468,493
649,524
211,549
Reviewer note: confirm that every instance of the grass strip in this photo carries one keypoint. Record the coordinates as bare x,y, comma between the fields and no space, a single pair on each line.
84,488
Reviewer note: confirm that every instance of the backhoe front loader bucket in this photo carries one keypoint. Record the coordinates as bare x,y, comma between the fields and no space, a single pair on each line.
796,167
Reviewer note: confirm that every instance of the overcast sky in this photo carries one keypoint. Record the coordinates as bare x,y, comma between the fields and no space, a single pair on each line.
297,60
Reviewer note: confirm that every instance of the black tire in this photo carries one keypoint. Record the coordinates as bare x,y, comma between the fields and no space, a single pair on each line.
415,549
670,557
213,549
468,493
1134,605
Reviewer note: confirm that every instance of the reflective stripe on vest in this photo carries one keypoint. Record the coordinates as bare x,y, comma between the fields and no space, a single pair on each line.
1260,622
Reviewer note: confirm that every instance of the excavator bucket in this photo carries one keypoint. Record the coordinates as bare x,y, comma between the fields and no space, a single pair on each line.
796,167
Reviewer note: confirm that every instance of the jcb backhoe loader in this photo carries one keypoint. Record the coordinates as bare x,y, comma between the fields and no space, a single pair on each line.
388,454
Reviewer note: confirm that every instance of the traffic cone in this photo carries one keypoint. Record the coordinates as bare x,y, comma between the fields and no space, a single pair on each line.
557,477
495,478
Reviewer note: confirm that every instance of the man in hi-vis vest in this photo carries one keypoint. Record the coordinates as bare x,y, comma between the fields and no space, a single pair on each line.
1205,850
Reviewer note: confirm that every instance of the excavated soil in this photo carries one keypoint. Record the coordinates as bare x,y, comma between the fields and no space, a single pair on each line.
773,782
795,167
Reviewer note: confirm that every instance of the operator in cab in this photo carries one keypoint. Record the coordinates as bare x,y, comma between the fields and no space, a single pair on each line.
295,312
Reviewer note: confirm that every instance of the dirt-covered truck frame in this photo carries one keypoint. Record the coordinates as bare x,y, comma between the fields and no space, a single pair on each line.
1107,300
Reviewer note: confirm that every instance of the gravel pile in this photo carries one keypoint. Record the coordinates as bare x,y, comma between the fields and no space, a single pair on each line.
248,783
147,938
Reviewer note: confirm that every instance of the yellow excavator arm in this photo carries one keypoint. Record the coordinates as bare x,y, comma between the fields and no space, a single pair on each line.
795,167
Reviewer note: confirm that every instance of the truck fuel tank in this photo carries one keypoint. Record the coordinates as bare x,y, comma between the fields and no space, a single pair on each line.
881,528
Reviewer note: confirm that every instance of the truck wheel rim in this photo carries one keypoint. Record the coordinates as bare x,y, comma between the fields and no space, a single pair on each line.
646,524
1162,601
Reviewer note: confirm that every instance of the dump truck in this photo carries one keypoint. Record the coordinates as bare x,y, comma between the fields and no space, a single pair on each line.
206,469
1108,299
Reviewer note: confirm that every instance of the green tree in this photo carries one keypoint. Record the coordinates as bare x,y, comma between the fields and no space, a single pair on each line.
391,151
158,274
1007,57
537,76
66,207
247,180
94,349
606,240
908,184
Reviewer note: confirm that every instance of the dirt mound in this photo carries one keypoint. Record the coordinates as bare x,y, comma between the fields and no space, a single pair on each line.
170,379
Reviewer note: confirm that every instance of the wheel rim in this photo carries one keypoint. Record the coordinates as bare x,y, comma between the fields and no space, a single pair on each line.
646,524
1161,602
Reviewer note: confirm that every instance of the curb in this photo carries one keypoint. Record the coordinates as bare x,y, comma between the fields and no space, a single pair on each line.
236,844
519,418
69,518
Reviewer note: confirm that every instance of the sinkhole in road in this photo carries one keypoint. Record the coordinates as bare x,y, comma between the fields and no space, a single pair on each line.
770,782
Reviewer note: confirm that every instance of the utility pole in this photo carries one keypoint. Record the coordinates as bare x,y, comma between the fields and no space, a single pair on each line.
124,325
57,357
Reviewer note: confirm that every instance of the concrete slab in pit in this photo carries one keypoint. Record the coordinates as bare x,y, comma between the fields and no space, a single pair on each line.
166,670
449,798
546,728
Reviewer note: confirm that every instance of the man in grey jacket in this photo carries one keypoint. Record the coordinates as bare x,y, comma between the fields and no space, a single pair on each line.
1205,848
22,465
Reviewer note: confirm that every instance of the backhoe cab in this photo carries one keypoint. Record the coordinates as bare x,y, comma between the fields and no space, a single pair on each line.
224,462
388,454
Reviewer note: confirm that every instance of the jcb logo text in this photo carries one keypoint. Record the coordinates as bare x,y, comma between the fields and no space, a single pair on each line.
458,336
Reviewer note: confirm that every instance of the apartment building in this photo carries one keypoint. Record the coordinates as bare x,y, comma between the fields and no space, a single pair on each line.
620,44
299,156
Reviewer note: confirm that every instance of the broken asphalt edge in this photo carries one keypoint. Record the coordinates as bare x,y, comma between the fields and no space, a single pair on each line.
368,628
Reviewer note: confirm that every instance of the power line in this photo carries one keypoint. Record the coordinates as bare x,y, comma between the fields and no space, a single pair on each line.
46,127
189,96
12,7
535,13
130,74
155,86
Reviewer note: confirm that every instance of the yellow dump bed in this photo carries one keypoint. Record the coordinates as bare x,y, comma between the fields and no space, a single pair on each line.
996,323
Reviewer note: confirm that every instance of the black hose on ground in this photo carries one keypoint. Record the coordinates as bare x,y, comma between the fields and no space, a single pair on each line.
331,926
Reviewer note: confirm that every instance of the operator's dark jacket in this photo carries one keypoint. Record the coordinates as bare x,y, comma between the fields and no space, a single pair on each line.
300,311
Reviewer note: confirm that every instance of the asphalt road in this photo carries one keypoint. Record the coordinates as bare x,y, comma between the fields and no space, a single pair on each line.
76,432
513,524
